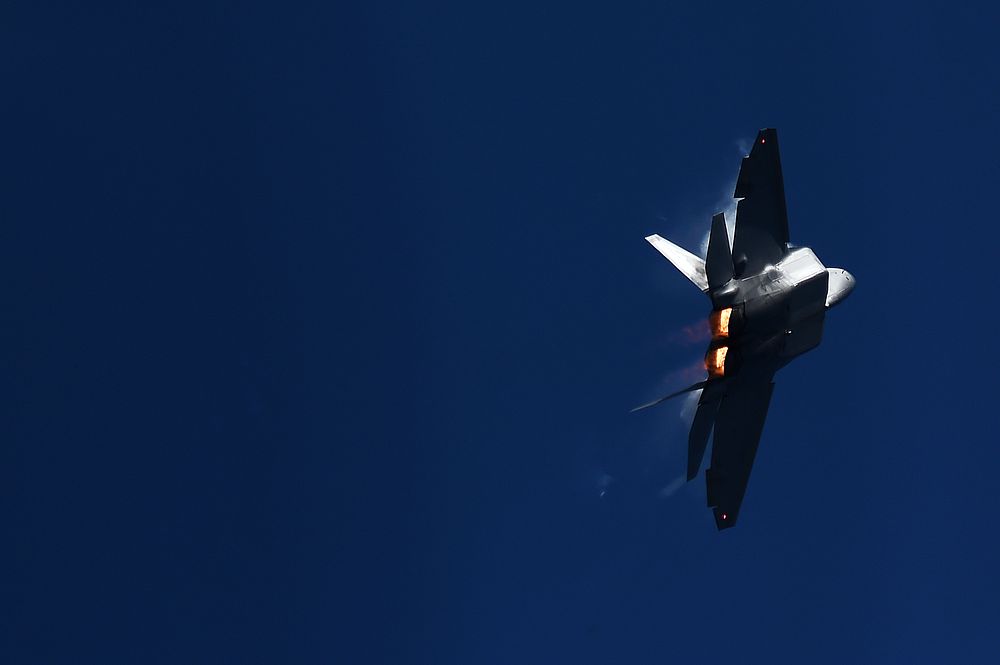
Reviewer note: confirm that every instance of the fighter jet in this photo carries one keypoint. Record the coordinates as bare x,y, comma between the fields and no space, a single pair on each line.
769,301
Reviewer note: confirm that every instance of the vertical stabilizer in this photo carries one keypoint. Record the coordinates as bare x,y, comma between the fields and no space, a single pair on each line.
719,264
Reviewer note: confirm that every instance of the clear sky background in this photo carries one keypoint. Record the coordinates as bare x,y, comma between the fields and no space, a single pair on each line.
322,324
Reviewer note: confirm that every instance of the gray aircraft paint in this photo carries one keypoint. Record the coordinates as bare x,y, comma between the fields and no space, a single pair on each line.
774,298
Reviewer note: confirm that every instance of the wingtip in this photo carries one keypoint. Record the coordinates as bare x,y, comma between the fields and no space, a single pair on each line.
765,136
724,520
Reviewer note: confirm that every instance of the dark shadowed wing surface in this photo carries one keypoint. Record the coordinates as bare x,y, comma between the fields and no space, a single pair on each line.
738,427
761,218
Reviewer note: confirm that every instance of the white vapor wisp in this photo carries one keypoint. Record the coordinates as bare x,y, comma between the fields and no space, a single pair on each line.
689,406
671,488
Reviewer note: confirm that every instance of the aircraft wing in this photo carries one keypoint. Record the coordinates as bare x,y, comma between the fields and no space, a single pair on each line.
761,218
738,426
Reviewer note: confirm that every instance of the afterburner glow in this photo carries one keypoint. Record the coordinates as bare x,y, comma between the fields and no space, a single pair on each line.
719,322
715,361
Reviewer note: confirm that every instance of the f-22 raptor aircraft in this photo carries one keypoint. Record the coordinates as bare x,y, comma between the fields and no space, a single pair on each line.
769,300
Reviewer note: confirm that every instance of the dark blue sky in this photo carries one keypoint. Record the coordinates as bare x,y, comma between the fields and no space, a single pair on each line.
322,324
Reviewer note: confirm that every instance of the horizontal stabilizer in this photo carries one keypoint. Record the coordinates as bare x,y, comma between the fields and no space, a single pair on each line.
697,386
701,428
690,265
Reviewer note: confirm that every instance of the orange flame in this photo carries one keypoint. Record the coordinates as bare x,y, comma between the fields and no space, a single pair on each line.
715,361
719,321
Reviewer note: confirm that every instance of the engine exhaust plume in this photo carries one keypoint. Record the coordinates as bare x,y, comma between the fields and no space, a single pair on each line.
693,333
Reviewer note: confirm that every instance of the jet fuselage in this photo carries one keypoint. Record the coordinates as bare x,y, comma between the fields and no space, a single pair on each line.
773,316
769,301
